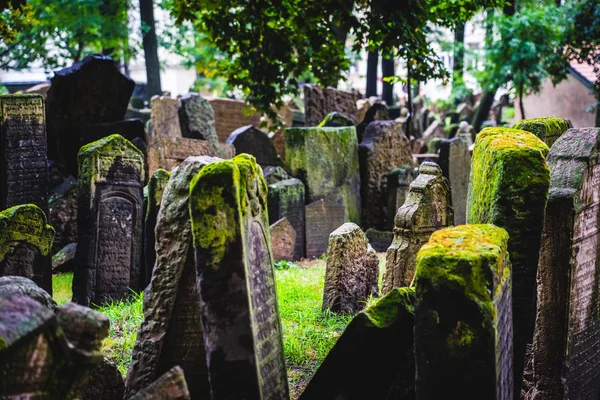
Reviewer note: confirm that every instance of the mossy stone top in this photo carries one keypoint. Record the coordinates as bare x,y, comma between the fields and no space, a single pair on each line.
386,310
547,128
156,186
25,223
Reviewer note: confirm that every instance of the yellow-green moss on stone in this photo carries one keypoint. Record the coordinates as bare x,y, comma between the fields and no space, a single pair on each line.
25,223
547,128
155,188
387,309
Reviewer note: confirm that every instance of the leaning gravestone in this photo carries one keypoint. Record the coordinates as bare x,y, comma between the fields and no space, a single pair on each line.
283,240
319,102
326,161
547,128
566,352
398,183
25,243
352,273
109,194
463,320
234,266
255,142
384,148
285,199
171,333
380,337
169,386
455,162
426,209
23,154
508,188
322,218
197,119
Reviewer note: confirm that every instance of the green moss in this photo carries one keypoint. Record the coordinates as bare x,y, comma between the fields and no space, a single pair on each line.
3,344
385,312
25,223
156,186
548,128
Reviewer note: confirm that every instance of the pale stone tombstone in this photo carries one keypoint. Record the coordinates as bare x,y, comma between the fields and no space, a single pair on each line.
322,218
165,116
455,162
283,240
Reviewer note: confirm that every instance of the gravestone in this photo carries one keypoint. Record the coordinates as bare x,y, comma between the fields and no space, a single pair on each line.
107,383
319,102
165,117
379,240
156,187
566,352
131,129
463,322
109,195
26,287
384,148
455,162
352,271
547,128
322,218
255,142
23,153
426,209
398,183
283,240
234,266
169,386
25,243
380,337
285,199
64,259
337,119
326,161
274,174
377,112
435,129
197,119
62,213
508,187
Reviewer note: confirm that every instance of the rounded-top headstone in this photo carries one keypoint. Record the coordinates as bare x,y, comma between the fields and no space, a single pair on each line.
24,223
255,142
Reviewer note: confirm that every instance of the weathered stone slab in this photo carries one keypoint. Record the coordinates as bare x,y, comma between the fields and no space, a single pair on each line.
23,152
547,128
255,142
107,383
455,162
283,240
25,243
171,333
352,272
165,117
197,119
398,183
62,213
274,174
426,209
384,148
566,350
285,199
110,203
508,188
21,285
379,240
170,386
326,161
319,102
322,218
463,320
234,266
380,337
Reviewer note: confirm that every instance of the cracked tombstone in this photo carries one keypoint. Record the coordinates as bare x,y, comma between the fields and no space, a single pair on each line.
455,162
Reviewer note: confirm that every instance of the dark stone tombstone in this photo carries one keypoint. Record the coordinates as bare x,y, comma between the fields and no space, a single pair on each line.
130,129
283,240
109,250
319,102
62,213
197,119
455,162
379,240
23,153
255,142
25,243
234,266
398,183
169,386
107,383
322,218
377,112
286,200
26,287
380,337
171,333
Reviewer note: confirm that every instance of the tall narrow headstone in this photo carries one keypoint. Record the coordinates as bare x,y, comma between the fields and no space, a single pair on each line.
455,162
110,204
25,243
384,148
398,183
286,200
322,218
319,102
463,322
165,116
547,128
508,187
171,333
251,140
236,281
426,209
566,350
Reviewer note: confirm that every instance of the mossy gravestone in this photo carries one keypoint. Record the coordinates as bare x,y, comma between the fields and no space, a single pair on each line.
566,350
25,243
455,162
508,188
426,209
251,140
110,204
286,200
236,281
171,333
547,128
398,183
463,321
374,357
326,161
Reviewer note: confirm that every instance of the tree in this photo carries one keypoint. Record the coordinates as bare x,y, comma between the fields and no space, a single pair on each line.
150,43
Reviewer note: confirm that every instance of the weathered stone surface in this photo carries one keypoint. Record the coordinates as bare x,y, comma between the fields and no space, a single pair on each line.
374,357
156,187
319,102
508,188
110,218
165,117
566,352
230,114
197,119
433,146
326,161
426,209
274,174
171,333
23,152
62,214
106,383
169,386
548,128
398,183
379,240
463,320
455,162
234,266
352,271
285,199
25,243
336,119
26,287
384,148
322,218
255,142
283,240
377,112
434,130
64,259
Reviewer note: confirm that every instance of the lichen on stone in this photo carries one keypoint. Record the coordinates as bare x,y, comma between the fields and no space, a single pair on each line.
25,223
385,312
156,186
546,128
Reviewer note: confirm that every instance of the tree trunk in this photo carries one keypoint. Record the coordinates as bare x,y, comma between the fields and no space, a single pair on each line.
409,99
387,70
459,57
521,106
487,100
150,49
372,63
